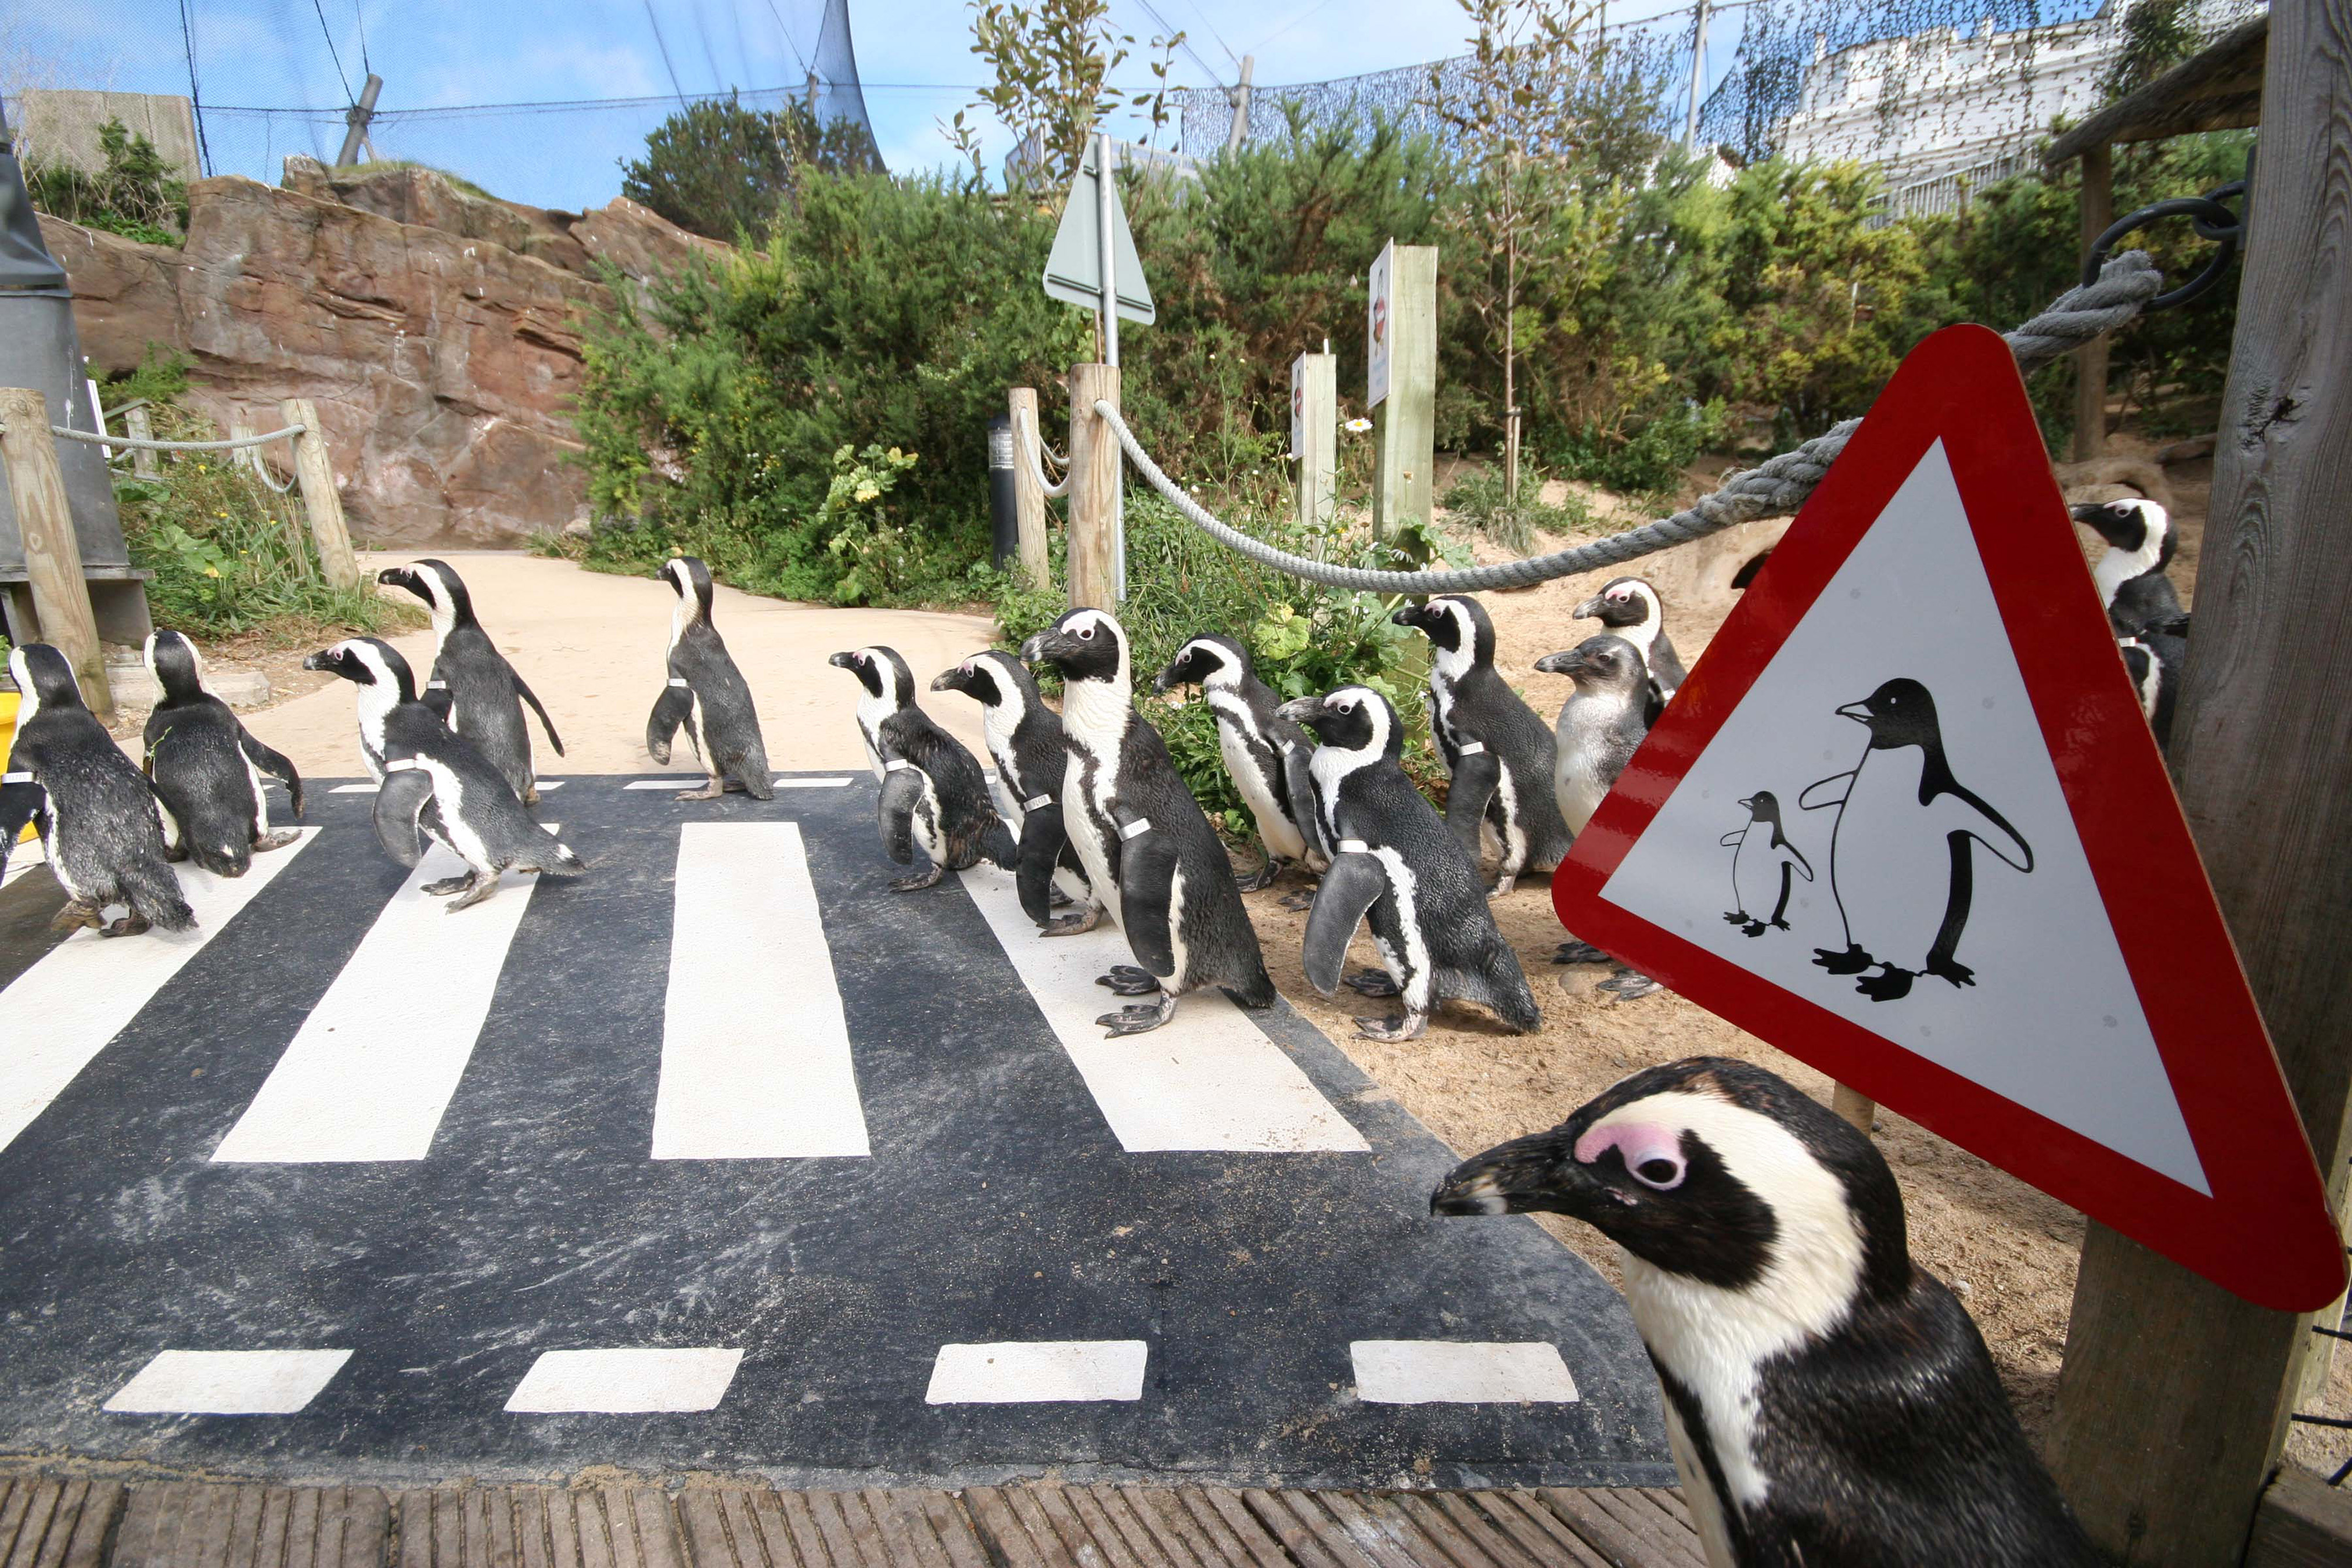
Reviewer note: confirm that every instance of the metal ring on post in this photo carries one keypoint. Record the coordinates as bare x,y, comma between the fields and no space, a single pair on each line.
2213,221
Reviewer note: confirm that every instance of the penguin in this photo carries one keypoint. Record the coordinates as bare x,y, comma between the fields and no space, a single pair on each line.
100,823
1265,754
20,801
1396,861
1631,607
1152,860
1600,726
934,796
2154,658
1764,868
2131,573
1828,1401
1499,752
1900,866
438,785
1025,739
707,694
472,686
207,768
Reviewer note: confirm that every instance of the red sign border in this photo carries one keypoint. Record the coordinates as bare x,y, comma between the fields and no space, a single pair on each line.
2266,1233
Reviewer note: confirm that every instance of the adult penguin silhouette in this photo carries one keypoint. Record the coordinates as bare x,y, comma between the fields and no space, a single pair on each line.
1764,868
1901,868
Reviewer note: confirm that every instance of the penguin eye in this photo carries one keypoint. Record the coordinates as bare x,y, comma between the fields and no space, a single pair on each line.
1659,1172
1086,633
1346,706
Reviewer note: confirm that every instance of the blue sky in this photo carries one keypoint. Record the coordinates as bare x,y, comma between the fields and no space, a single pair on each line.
913,55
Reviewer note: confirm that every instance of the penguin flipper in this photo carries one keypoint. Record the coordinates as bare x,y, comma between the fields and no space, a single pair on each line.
902,792
19,804
1045,843
670,709
399,810
443,705
1351,887
528,695
1147,873
1819,793
1298,786
272,764
1476,776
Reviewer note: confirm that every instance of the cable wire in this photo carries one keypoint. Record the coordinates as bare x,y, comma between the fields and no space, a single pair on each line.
332,53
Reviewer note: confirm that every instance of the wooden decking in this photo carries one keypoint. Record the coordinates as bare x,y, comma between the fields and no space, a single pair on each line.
71,1524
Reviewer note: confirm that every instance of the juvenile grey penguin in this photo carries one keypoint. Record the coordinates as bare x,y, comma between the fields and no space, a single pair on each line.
1499,752
1764,868
1828,1401
1631,607
2131,572
1431,923
707,695
207,768
934,797
1602,725
1150,856
1265,754
99,821
438,785
472,686
1900,863
1025,739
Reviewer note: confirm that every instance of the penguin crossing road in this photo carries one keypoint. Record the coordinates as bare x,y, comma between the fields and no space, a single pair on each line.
1828,1401
1499,752
206,769
1764,868
1600,726
1024,740
472,686
2131,573
438,785
1631,607
707,694
1900,866
933,795
101,822
1396,862
1264,753
1150,856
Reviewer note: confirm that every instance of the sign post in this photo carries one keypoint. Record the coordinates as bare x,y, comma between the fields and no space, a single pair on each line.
1400,358
1315,434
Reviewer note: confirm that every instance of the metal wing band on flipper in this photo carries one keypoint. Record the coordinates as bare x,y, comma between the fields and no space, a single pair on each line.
1044,839
399,810
1352,885
894,812
1476,776
670,709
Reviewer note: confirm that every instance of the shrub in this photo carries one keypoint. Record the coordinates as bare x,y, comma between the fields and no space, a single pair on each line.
136,195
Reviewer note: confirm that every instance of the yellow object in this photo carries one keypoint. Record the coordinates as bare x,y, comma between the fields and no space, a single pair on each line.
9,703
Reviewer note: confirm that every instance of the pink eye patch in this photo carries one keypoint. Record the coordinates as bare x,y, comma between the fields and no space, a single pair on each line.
1654,1153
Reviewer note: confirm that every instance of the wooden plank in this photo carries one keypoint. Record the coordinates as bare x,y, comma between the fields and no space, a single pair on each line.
1040,1526
2302,1522
953,1528
314,471
1458,1545
1672,1501
1668,1541
1028,496
1078,1536
1537,1531
26,1520
564,1530
1130,1533
1598,1528
758,1515
268,1549
1173,1526
865,1534
1678,1533
366,1514
1226,1508
2097,201
806,1537
1097,465
1004,1534
143,1515
1499,1543
2173,1401
906,1533
52,551
532,1547
84,1545
619,1532
1304,1539
708,1541
656,1532
1404,485
300,1537
1386,1536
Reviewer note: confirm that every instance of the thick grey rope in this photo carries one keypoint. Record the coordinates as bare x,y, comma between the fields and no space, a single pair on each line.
1025,437
1774,488
131,444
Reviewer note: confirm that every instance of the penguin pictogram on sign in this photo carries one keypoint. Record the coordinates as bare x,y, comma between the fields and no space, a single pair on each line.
1764,867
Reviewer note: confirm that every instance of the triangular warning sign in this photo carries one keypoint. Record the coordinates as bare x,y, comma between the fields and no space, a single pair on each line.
1905,821
1074,267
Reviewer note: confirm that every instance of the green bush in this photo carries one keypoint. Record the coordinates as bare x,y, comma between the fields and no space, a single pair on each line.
136,195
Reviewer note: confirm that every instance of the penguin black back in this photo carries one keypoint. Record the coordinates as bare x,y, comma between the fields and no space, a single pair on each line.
472,686
933,795
206,769
706,694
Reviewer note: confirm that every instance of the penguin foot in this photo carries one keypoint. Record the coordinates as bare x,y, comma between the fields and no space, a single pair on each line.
1951,969
77,914
711,791
1262,878
1579,952
1139,1019
920,880
1078,924
278,840
1755,928
176,853
1403,1026
530,794
1058,900
1779,925
130,924
1298,898
1502,885
448,885
481,886
1127,980
1735,917
1627,986
1851,959
1370,982
1891,984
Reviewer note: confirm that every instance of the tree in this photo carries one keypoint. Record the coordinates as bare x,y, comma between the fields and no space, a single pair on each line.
723,170
1050,66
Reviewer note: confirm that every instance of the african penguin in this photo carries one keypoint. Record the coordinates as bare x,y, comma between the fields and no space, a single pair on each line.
472,686
2130,574
1631,607
1024,739
1265,754
1764,868
1499,752
206,769
1602,724
2154,659
1828,1401
1900,866
1396,861
1150,856
438,785
934,797
100,820
707,694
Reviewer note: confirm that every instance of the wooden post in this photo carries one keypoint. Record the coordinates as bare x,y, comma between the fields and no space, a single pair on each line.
1095,464
2091,359
1404,485
1315,435
1028,496
52,553
316,473
2173,1403
1857,1108
139,428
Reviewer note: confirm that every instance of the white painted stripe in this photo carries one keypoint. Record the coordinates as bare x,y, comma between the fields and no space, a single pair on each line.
86,989
546,784
674,781
371,1069
783,783
755,1051
1036,1371
355,789
1209,1079
1449,1371
227,1382
626,1382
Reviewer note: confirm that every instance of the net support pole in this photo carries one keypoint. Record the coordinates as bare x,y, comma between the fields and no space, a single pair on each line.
358,118
1095,467
315,472
1028,495
52,553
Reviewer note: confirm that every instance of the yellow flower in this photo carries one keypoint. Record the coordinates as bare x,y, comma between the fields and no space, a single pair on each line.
894,454
867,492
212,570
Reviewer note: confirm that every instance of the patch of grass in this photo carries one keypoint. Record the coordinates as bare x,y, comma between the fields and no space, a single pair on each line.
1478,498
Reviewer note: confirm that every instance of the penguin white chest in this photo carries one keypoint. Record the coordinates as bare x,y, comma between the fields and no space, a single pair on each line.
1236,728
1577,762
1083,812
1891,860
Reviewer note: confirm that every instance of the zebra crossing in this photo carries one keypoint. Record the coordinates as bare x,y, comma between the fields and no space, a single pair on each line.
723,1154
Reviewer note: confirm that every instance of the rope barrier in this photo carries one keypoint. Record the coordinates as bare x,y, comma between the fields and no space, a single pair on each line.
1774,488
132,444
1025,437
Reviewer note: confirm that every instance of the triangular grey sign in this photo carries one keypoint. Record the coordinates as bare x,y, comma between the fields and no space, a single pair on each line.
1074,270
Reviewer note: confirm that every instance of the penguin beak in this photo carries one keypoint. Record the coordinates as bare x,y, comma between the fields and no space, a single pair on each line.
1748,804
843,661
1538,1174
1587,610
1046,645
948,679
397,577
1566,663
1411,616
1858,711
1303,710
321,659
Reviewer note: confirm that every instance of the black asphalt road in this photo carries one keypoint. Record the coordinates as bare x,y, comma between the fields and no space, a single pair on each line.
996,1206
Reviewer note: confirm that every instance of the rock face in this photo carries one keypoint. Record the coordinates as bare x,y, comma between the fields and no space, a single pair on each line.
439,332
